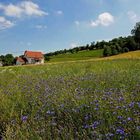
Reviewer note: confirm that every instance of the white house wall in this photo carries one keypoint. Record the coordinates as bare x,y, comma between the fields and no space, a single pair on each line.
42,61
29,61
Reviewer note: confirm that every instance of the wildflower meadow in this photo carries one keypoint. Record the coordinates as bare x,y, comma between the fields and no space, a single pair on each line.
98,100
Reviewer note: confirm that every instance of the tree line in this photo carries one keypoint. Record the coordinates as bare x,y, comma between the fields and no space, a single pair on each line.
112,47
7,60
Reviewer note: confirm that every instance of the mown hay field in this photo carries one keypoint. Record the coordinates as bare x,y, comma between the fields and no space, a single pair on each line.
75,100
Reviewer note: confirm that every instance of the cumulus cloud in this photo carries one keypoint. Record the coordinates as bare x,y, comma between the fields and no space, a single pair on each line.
133,16
4,23
11,10
26,8
104,19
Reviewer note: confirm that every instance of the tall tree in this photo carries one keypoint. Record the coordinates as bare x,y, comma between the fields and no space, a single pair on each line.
136,33
107,51
8,60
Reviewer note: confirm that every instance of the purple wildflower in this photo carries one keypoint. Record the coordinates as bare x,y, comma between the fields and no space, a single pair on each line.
109,135
129,119
118,107
85,126
131,105
96,108
121,99
95,124
87,117
24,118
138,104
120,131
119,117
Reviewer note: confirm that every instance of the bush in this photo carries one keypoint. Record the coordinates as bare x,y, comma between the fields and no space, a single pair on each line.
107,51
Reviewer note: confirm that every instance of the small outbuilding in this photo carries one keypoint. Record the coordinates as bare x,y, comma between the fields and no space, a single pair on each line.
20,61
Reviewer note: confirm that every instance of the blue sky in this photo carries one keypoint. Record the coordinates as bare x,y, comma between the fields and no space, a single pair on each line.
49,25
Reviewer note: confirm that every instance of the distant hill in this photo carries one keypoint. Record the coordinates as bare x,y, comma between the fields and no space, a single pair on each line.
87,56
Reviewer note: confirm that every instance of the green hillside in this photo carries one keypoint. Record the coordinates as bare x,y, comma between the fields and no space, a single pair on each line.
82,55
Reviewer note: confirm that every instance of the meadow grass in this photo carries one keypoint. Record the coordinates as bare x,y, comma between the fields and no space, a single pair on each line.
81,55
75,100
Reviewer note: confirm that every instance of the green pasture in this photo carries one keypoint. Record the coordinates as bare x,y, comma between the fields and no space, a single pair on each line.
82,55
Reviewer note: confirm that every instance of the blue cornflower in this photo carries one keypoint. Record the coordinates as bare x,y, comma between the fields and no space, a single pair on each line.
86,126
97,104
24,118
138,104
96,108
118,107
109,134
119,117
121,99
95,124
96,101
87,117
120,131
129,119
131,104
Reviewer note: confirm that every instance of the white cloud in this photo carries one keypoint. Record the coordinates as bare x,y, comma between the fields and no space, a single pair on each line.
4,23
77,22
104,19
59,12
26,8
73,45
11,10
31,8
41,27
133,16
94,23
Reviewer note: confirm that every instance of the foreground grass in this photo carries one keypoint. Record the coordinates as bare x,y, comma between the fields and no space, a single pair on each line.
81,100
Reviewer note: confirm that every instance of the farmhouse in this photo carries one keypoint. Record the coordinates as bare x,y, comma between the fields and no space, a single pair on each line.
34,57
30,57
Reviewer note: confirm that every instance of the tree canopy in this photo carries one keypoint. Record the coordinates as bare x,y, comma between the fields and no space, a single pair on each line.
136,33
7,60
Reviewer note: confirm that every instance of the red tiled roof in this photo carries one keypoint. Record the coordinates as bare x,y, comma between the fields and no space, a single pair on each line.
31,54
20,59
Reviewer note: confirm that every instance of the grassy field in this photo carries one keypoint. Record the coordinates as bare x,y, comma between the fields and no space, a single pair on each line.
75,100
82,55
129,55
